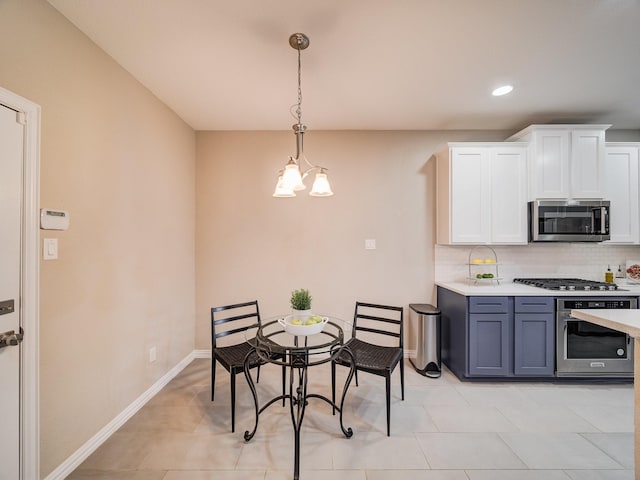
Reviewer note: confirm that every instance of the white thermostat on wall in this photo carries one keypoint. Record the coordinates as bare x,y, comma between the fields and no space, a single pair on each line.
54,219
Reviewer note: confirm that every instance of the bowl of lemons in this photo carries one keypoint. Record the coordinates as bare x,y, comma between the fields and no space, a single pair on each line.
300,325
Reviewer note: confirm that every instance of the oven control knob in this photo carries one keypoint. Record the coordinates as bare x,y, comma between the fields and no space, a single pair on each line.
602,287
572,287
620,352
587,288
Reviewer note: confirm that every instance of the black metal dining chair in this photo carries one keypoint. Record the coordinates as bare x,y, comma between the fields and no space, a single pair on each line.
371,324
234,320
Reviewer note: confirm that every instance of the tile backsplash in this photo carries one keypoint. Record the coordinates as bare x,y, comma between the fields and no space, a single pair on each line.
576,260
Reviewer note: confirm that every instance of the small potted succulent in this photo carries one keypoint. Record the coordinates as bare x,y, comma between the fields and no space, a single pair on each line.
301,301
302,321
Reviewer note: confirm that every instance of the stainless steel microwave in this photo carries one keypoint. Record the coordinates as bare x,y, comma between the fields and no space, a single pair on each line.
569,220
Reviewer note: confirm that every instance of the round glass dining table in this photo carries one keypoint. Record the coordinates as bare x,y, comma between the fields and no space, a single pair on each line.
273,343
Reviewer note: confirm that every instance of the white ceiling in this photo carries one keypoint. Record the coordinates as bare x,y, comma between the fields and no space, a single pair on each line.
377,64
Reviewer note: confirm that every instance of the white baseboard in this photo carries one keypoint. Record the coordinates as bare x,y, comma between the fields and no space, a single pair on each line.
80,455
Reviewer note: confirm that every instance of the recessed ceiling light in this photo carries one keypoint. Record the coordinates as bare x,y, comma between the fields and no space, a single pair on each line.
503,90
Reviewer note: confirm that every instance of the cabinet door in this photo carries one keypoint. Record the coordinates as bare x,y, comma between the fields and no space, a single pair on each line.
587,154
534,344
620,184
550,164
470,195
489,344
508,195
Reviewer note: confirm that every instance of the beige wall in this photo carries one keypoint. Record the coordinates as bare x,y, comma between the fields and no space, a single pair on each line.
250,245
123,165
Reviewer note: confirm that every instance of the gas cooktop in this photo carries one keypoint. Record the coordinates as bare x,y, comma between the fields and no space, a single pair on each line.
569,284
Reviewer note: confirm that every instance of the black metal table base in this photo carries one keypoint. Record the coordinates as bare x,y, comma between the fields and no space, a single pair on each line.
298,397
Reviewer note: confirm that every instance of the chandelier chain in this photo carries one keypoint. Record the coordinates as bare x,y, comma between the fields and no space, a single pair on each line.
299,109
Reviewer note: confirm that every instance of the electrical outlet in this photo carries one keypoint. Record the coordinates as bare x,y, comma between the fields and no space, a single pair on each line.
370,244
152,354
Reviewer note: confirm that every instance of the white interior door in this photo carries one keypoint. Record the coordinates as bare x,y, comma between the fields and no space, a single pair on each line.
11,162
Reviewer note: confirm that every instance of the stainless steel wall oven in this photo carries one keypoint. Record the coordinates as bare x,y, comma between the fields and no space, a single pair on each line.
584,349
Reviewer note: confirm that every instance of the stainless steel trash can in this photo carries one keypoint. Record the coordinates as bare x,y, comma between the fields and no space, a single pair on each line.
427,359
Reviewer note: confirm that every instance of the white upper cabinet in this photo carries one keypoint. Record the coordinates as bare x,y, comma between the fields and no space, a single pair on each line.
470,195
621,189
565,161
482,193
509,195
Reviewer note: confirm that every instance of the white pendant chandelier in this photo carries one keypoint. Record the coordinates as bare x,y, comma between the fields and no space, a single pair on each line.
291,178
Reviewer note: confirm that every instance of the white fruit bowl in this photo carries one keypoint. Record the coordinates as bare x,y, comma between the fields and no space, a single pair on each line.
301,330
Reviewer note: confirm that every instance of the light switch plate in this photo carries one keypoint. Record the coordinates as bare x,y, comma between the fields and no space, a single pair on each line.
50,249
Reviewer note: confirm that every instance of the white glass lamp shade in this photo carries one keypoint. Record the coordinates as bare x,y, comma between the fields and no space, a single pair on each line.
281,190
321,187
291,177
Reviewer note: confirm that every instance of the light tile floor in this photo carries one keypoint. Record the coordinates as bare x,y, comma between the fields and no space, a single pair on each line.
444,430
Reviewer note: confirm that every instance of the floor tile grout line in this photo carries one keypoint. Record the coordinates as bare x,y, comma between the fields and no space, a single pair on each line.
622,467
426,459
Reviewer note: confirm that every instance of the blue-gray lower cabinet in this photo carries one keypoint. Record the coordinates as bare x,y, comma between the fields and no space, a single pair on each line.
500,337
490,334
534,336
455,328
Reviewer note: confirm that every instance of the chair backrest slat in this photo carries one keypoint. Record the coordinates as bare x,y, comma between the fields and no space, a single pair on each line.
371,313
236,305
238,312
379,319
235,330
377,330
236,317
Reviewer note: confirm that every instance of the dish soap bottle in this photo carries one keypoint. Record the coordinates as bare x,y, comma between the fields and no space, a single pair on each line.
608,275
619,273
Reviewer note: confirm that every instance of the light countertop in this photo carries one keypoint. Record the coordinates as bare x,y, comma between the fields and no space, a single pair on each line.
627,321
510,289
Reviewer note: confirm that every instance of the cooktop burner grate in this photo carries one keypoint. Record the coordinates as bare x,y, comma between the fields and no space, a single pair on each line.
572,284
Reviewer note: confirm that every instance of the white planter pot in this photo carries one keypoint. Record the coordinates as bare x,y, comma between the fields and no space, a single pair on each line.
301,314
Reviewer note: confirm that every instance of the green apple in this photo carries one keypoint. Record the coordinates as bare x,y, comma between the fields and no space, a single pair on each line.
296,321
